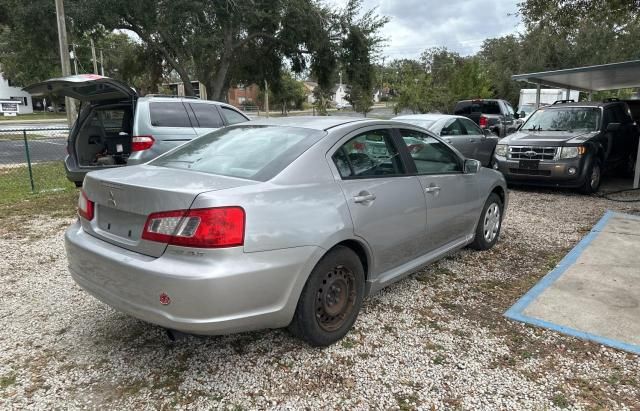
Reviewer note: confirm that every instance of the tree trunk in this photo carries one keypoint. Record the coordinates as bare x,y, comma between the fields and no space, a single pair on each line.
218,86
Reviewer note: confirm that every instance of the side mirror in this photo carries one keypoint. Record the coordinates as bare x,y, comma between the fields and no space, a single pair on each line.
516,116
523,114
487,132
471,166
613,126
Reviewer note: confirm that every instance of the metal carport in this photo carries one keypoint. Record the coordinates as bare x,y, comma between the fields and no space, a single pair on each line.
589,79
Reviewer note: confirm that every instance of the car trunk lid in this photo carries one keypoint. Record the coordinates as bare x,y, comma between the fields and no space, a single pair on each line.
125,197
84,87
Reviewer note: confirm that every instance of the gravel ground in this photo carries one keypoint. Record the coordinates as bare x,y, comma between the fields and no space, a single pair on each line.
436,340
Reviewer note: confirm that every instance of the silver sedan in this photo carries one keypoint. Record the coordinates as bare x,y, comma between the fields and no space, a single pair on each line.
460,132
269,224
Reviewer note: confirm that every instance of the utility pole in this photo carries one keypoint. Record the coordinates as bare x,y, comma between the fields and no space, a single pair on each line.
101,63
64,58
266,98
93,57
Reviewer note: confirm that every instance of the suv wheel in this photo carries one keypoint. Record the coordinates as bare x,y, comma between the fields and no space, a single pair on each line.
592,178
488,228
331,298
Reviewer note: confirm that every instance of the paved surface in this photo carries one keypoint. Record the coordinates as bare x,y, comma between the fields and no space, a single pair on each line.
594,292
40,149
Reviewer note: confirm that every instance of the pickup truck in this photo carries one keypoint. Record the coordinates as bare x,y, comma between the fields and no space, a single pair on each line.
493,114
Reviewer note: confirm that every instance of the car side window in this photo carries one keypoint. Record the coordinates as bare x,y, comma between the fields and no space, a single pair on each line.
430,155
169,115
232,116
368,155
207,115
470,127
453,127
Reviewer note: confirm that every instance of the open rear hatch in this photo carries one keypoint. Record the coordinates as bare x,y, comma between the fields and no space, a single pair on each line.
84,87
124,198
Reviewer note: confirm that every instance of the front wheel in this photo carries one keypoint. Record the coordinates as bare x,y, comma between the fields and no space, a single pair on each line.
488,228
331,298
592,178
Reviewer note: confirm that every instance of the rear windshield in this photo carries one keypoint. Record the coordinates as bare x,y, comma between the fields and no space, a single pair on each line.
564,119
418,122
251,152
481,106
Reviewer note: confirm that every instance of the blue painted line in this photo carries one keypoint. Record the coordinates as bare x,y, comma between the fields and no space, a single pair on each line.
516,311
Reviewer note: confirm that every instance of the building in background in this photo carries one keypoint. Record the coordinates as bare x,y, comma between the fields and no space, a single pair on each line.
238,96
13,100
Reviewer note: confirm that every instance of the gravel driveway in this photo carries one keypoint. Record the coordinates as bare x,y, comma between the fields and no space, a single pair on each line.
436,340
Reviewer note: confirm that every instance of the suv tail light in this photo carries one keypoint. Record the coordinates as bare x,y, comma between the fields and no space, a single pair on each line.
85,206
203,228
139,143
483,122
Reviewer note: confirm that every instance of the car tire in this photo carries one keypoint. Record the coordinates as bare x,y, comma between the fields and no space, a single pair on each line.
490,224
592,178
331,298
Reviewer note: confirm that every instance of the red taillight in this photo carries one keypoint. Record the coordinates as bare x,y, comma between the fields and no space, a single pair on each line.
484,122
139,143
85,206
203,228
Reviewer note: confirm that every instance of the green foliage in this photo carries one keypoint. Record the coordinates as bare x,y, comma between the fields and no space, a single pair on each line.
289,94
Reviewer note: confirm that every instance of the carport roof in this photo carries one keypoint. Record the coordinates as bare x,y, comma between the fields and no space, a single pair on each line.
591,78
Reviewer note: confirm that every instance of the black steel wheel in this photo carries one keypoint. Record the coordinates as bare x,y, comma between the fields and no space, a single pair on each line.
331,298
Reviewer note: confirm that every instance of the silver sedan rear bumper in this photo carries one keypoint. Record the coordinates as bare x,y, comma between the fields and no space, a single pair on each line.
211,292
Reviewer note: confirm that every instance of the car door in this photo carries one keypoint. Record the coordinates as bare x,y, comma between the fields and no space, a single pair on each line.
483,145
449,193
207,118
454,133
386,204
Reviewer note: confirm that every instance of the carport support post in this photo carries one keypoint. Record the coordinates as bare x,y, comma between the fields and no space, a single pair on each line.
26,150
636,179
537,95
568,94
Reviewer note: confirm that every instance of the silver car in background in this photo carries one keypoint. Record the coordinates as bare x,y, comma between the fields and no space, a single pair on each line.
268,224
460,132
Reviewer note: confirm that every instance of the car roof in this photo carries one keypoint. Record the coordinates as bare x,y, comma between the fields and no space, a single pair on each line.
314,123
584,104
429,116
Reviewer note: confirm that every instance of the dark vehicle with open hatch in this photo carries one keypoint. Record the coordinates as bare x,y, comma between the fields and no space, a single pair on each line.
570,144
116,127
495,115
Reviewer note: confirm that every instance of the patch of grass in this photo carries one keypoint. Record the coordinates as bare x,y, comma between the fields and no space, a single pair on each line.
348,343
560,400
439,359
35,116
407,402
7,381
49,179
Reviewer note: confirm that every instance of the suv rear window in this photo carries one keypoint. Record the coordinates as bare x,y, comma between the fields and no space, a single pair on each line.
169,115
481,106
251,152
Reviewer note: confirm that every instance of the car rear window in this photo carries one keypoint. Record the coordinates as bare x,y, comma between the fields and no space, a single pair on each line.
169,115
477,106
252,152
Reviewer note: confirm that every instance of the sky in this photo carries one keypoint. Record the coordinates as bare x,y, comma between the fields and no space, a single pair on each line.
460,25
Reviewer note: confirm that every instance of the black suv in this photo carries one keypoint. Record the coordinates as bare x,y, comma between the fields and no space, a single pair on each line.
492,114
570,145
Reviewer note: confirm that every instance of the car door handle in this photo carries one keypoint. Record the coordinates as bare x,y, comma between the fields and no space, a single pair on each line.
364,198
432,189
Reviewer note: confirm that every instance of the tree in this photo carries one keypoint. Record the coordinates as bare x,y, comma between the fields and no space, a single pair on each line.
361,41
209,40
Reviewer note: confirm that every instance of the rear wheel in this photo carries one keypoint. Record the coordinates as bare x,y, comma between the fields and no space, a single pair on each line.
592,178
331,298
488,228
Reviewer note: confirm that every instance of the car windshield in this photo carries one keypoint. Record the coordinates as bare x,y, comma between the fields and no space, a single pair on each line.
418,122
251,152
528,109
563,119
